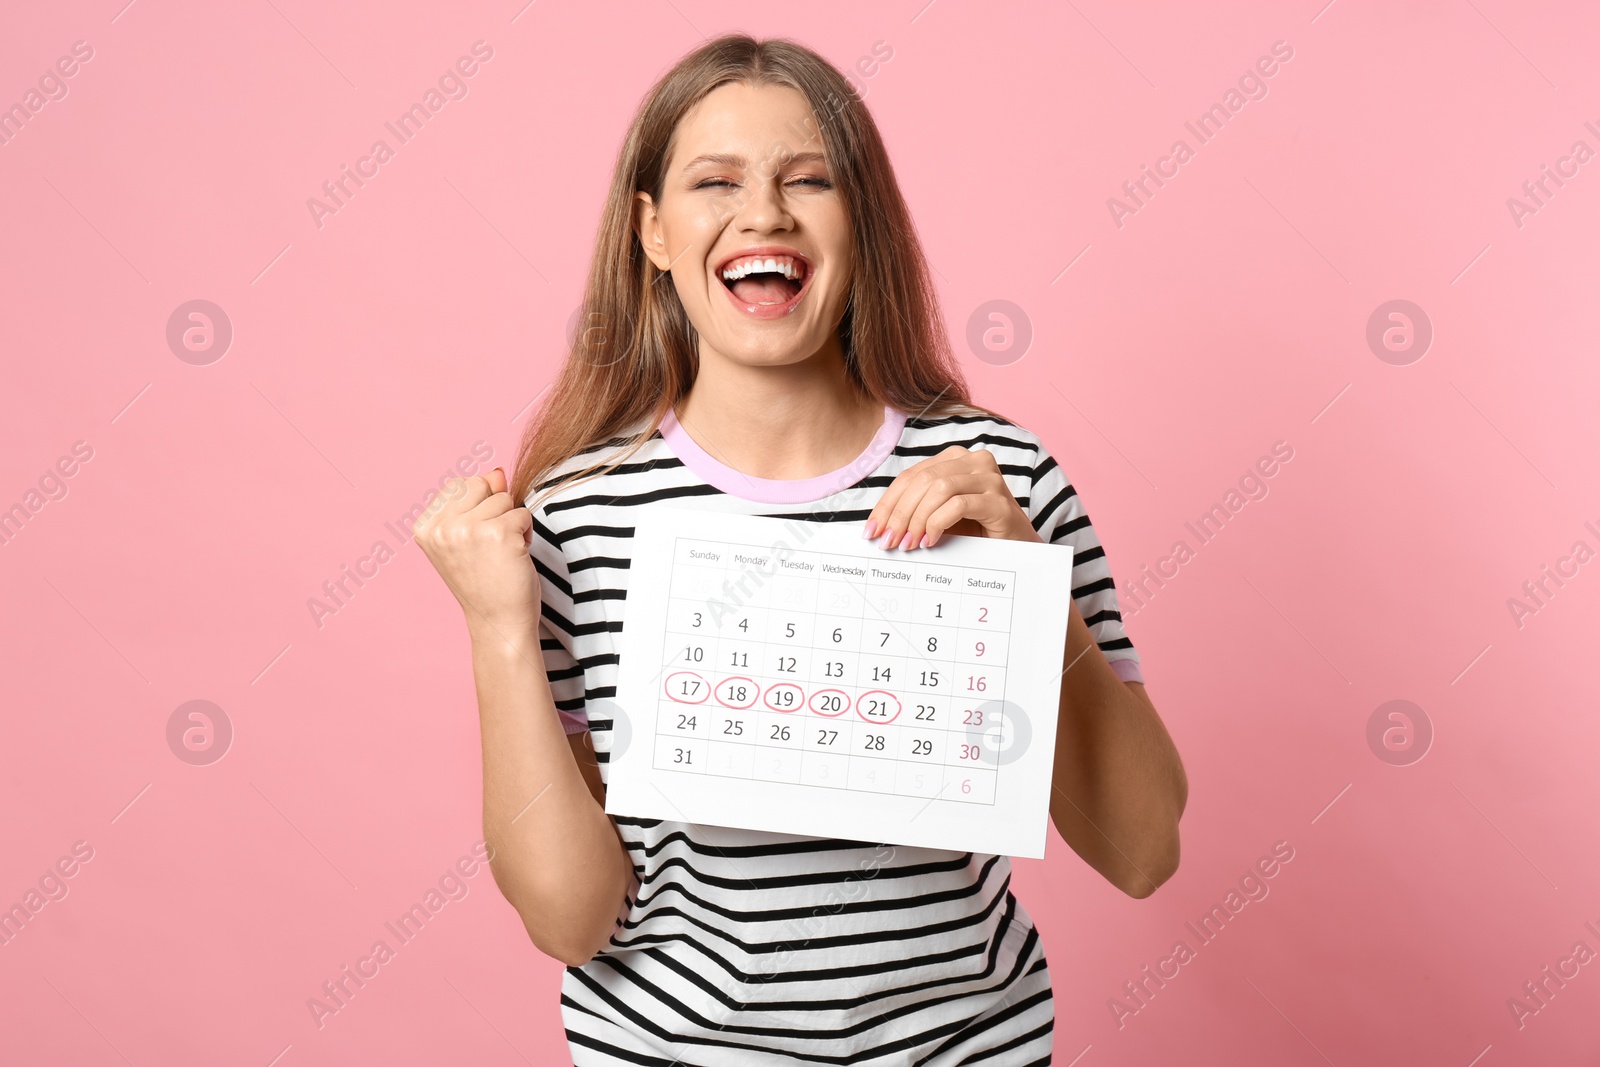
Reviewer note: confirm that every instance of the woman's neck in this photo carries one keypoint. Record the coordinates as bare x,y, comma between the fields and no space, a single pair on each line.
795,421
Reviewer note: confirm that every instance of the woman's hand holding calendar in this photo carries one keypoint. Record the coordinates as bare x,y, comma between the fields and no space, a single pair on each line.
477,539
957,491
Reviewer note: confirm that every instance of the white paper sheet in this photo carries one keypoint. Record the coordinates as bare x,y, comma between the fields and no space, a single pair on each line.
793,677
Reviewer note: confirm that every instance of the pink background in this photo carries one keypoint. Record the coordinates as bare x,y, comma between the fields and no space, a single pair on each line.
370,354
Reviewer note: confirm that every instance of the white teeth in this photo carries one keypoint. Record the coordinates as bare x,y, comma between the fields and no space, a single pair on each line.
789,267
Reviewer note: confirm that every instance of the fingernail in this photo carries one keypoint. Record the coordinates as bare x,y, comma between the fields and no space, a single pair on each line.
872,528
905,542
928,540
889,540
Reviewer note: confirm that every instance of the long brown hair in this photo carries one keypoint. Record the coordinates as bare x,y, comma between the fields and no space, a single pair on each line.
892,332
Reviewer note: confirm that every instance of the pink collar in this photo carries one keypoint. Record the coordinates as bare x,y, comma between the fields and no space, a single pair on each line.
783,490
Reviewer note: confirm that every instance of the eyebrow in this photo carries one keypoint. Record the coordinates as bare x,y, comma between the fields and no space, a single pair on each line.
724,159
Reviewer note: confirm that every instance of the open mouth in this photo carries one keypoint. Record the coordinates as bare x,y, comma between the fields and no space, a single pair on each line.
765,281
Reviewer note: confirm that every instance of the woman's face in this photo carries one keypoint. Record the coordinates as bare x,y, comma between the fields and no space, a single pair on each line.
747,180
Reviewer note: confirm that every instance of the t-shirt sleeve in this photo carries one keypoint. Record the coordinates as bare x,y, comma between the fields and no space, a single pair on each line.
556,614
1059,516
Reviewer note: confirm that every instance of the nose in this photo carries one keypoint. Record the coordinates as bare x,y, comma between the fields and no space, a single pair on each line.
763,208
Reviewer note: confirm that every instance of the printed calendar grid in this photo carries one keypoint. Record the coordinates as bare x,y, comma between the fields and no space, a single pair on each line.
877,679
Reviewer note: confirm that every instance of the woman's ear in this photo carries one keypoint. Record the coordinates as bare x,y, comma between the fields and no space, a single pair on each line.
648,226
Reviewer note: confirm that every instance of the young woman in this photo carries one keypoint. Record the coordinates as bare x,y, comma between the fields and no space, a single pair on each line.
795,364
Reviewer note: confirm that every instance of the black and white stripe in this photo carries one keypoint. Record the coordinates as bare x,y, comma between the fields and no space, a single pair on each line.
749,948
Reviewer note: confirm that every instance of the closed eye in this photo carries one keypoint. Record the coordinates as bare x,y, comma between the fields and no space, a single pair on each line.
820,183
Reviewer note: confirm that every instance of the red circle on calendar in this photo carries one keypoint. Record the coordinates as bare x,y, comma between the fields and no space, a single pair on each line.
890,709
692,689
796,697
842,702
727,683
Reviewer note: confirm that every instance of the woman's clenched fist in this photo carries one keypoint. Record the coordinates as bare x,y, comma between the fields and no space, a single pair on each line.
476,537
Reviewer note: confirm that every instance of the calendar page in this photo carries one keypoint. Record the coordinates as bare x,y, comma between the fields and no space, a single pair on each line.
793,677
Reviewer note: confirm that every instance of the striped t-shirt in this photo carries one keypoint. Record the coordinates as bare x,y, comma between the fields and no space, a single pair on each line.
748,948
